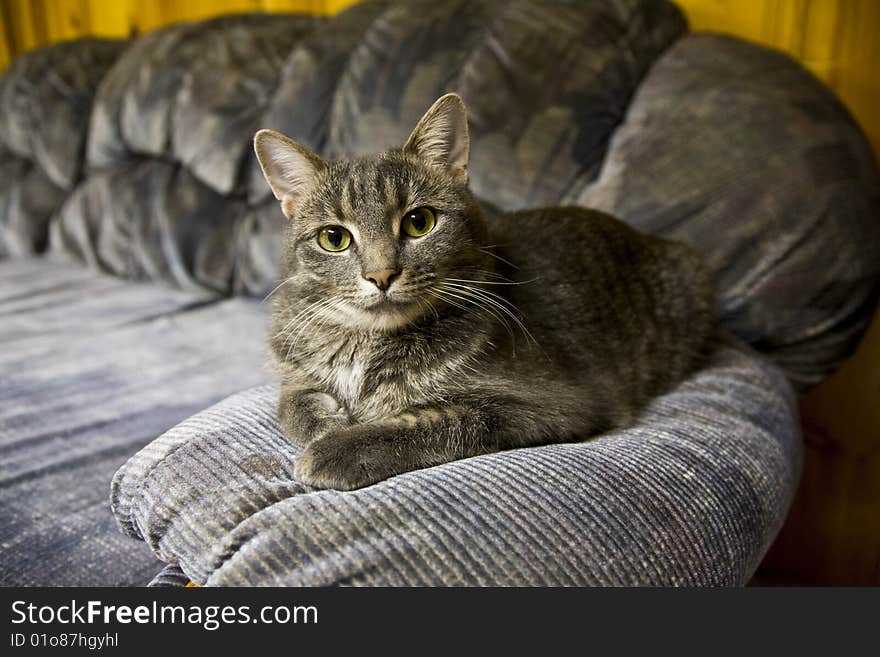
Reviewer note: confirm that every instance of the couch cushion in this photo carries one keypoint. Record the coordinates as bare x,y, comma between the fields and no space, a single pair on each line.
739,151
194,93
45,102
152,220
92,368
57,297
546,83
691,495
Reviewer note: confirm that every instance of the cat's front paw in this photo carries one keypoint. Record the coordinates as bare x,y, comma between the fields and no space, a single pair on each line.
345,460
311,416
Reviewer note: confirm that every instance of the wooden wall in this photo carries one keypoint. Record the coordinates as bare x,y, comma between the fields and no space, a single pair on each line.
27,24
834,531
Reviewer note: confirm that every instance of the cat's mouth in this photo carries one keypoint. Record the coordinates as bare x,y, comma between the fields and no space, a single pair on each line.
388,313
386,304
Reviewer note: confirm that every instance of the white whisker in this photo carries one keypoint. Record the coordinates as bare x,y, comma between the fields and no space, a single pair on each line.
475,301
497,257
298,315
500,303
317,310
277,287
466,280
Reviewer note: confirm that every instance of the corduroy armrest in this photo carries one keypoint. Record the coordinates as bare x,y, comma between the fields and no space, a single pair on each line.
692,495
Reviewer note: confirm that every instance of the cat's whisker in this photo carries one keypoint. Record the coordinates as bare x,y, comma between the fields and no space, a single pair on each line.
290,325
302,330
489,307
481,304
296,317
473,299
422,302
484,272
497,257
495,296
277,287
329,314
466,280
499,302
439,295
444,297
295,327
317,311
321,315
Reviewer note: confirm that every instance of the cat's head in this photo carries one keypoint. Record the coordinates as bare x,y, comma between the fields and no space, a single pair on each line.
376,235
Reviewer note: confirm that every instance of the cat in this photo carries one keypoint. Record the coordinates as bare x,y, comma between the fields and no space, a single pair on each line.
411,328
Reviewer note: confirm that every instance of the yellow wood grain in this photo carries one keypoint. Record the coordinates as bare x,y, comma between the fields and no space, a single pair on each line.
5,52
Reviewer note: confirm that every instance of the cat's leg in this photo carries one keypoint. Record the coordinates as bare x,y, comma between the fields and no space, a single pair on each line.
362,454
306,415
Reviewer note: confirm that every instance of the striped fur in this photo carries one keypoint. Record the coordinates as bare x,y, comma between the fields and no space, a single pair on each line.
482,342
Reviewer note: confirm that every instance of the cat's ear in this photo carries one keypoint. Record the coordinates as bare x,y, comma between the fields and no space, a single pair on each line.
290,168
441,137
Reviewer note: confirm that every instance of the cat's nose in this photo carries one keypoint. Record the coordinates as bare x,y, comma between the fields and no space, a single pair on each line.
382,279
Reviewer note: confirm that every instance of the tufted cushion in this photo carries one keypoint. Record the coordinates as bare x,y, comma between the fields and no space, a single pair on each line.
691,495
45,102
148,219
169,141
738,150
306,92
193,93
545,84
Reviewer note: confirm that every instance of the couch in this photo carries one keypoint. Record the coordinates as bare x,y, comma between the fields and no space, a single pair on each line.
138,241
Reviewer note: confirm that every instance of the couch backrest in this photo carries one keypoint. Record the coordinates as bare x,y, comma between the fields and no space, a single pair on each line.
45,102
726,145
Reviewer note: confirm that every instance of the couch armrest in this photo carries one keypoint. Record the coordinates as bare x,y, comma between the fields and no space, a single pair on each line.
691,495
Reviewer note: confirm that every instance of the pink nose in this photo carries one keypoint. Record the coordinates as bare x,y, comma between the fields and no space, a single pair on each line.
382,279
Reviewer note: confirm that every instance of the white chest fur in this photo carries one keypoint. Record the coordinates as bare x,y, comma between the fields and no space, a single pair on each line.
347,381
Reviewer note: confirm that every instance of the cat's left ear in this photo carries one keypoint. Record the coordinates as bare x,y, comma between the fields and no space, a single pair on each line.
290,168
441,137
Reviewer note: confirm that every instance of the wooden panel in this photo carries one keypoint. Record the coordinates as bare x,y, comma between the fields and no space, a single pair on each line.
37,22
5,37
27,24
832,535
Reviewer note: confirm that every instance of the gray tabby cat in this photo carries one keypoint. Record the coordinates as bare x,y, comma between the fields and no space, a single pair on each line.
411,329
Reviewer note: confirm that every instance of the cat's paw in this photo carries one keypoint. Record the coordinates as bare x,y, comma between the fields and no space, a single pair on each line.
344,460
311,416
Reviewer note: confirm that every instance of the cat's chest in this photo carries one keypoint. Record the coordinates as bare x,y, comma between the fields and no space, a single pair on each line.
375,380
347,380
363,377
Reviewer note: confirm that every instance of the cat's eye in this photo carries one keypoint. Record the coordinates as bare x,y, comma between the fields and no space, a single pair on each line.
334,238
418,222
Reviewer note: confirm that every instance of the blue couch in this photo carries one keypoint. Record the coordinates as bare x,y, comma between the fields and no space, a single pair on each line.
137,240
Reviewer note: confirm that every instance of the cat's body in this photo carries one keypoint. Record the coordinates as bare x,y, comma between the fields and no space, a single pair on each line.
503,330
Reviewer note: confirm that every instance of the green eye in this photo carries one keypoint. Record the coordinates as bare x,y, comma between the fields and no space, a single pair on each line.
334,238
418,222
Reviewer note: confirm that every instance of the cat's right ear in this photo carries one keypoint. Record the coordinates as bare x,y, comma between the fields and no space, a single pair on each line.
441,137
290,168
